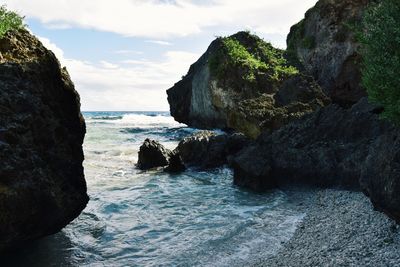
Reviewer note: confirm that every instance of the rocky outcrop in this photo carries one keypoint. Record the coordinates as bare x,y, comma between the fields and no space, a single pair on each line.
42,185
324,43
203,150
333,147
207,149
243,83
152,154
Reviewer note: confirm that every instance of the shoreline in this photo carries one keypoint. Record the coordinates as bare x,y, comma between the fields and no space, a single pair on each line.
340,228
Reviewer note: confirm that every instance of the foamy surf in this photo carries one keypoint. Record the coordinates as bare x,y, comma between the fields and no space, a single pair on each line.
149,120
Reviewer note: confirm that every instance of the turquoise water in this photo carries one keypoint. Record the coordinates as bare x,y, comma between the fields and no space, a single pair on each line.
155,219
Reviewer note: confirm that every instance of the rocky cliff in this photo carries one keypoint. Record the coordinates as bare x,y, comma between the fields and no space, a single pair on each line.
42,185
324,44
243,83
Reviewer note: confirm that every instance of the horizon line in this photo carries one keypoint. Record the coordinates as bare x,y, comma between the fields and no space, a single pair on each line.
125,110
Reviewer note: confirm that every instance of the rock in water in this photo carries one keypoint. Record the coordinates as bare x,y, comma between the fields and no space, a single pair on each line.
204,149
42,185
324,43
152,154
243,83
207,149
175,164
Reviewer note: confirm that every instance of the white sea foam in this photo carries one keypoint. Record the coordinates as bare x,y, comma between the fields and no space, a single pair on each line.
141,121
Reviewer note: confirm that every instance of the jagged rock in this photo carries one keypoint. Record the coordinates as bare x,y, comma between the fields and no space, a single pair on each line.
175,164
42,185
324,43
252,94
352,148
206,149
152,154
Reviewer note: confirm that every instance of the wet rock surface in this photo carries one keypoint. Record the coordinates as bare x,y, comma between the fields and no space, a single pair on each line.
42,185
152,154
202,150
207,149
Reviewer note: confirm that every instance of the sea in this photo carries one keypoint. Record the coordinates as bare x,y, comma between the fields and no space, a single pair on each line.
136,218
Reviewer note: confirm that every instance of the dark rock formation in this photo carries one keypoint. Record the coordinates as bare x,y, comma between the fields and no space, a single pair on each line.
326,148
332,147
324,43
42,185
152,154
250,94
204,150
209,150
175,164
380,176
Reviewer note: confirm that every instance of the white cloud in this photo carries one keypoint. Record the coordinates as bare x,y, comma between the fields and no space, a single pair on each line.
139,83
108,65
125,52
165,19
159,42
128,85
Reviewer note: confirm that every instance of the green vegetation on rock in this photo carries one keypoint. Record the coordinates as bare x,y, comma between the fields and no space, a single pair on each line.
251,58
9,20
381,55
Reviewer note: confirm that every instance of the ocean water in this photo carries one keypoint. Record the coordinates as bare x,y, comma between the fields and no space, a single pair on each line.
152,218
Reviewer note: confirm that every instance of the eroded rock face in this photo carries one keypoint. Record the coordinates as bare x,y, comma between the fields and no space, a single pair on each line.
351,148
325,44
250,99
42,185
152,154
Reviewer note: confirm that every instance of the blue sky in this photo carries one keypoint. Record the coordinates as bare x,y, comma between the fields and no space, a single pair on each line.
124,54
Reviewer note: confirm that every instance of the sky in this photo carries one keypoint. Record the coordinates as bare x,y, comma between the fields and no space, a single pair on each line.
124,54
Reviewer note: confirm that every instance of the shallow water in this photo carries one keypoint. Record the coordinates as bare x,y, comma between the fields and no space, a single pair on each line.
155,219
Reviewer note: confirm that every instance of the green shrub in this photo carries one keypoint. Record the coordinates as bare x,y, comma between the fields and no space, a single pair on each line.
381,55
9,21
256,58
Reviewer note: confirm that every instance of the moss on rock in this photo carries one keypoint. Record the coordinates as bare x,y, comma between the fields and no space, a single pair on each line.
249,58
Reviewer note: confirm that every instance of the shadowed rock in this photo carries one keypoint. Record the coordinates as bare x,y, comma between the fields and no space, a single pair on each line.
332,147
152,154
42,185
175,164
206,149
